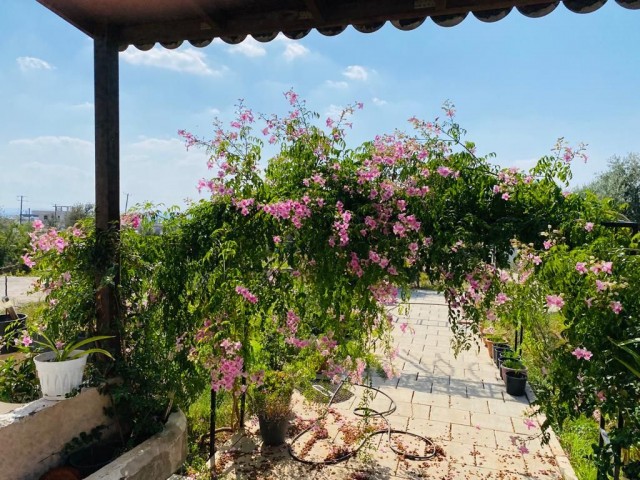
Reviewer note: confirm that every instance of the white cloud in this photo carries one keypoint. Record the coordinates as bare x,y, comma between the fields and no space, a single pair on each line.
356,72
33,63
249,47
338,84
188,60
82,106
334,111
378,101
293,50
213,111
50,141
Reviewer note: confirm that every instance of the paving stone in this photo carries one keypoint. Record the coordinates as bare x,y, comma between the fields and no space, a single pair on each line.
404,409
540,466
511,442
434,399
483,437
459,453
478,405
492,421
437,431
500,460
452,415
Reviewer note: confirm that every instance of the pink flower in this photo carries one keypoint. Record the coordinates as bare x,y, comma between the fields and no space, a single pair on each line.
523,449
601,396
248,296
607,267
506,196
588,226
444,171
581,268
601,286
59,345
38,225
501,298
582,353
28,261
547,244
555,301
616,307
26,340
530,423
276,239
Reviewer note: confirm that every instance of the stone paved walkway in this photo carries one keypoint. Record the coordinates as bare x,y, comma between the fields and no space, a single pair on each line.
460,403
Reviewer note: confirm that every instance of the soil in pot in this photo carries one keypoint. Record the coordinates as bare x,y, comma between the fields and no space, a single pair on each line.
515,382
92,458
273,431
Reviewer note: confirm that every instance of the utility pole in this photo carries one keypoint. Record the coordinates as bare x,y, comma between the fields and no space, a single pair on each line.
21,197
126,203
55,215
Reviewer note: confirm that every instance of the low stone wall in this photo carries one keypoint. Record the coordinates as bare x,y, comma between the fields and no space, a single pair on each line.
154,459
33,436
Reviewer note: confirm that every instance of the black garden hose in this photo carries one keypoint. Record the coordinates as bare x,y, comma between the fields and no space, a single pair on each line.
363,412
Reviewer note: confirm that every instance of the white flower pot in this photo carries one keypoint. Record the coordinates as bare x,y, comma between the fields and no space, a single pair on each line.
58,379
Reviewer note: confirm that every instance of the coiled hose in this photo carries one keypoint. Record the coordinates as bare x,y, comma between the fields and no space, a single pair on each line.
363,412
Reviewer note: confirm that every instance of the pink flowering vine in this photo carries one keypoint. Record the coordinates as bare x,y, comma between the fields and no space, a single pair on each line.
555,301
248,296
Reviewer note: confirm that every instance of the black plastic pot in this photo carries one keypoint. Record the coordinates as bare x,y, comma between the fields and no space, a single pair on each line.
92,458
515,382
498,348
273,432
8,325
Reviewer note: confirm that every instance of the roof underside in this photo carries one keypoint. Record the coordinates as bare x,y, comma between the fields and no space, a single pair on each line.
144,23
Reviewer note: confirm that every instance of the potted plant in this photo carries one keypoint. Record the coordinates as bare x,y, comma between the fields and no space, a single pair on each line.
60,369
498,349
507,355
490,340
515,381
512,365
271,402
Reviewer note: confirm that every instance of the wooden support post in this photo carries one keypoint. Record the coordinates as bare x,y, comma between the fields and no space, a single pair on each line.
212,436
107,181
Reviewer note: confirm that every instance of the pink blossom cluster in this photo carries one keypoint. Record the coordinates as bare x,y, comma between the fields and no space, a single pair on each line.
293,321
215,186
384,292
225,372
582,353
243,205
288,209
341,226
555,301
132,220
248,296
297,342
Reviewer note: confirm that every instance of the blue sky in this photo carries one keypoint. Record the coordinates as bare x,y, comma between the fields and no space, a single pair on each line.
518,85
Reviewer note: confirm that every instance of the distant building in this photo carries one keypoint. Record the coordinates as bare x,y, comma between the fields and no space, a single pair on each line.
54,217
